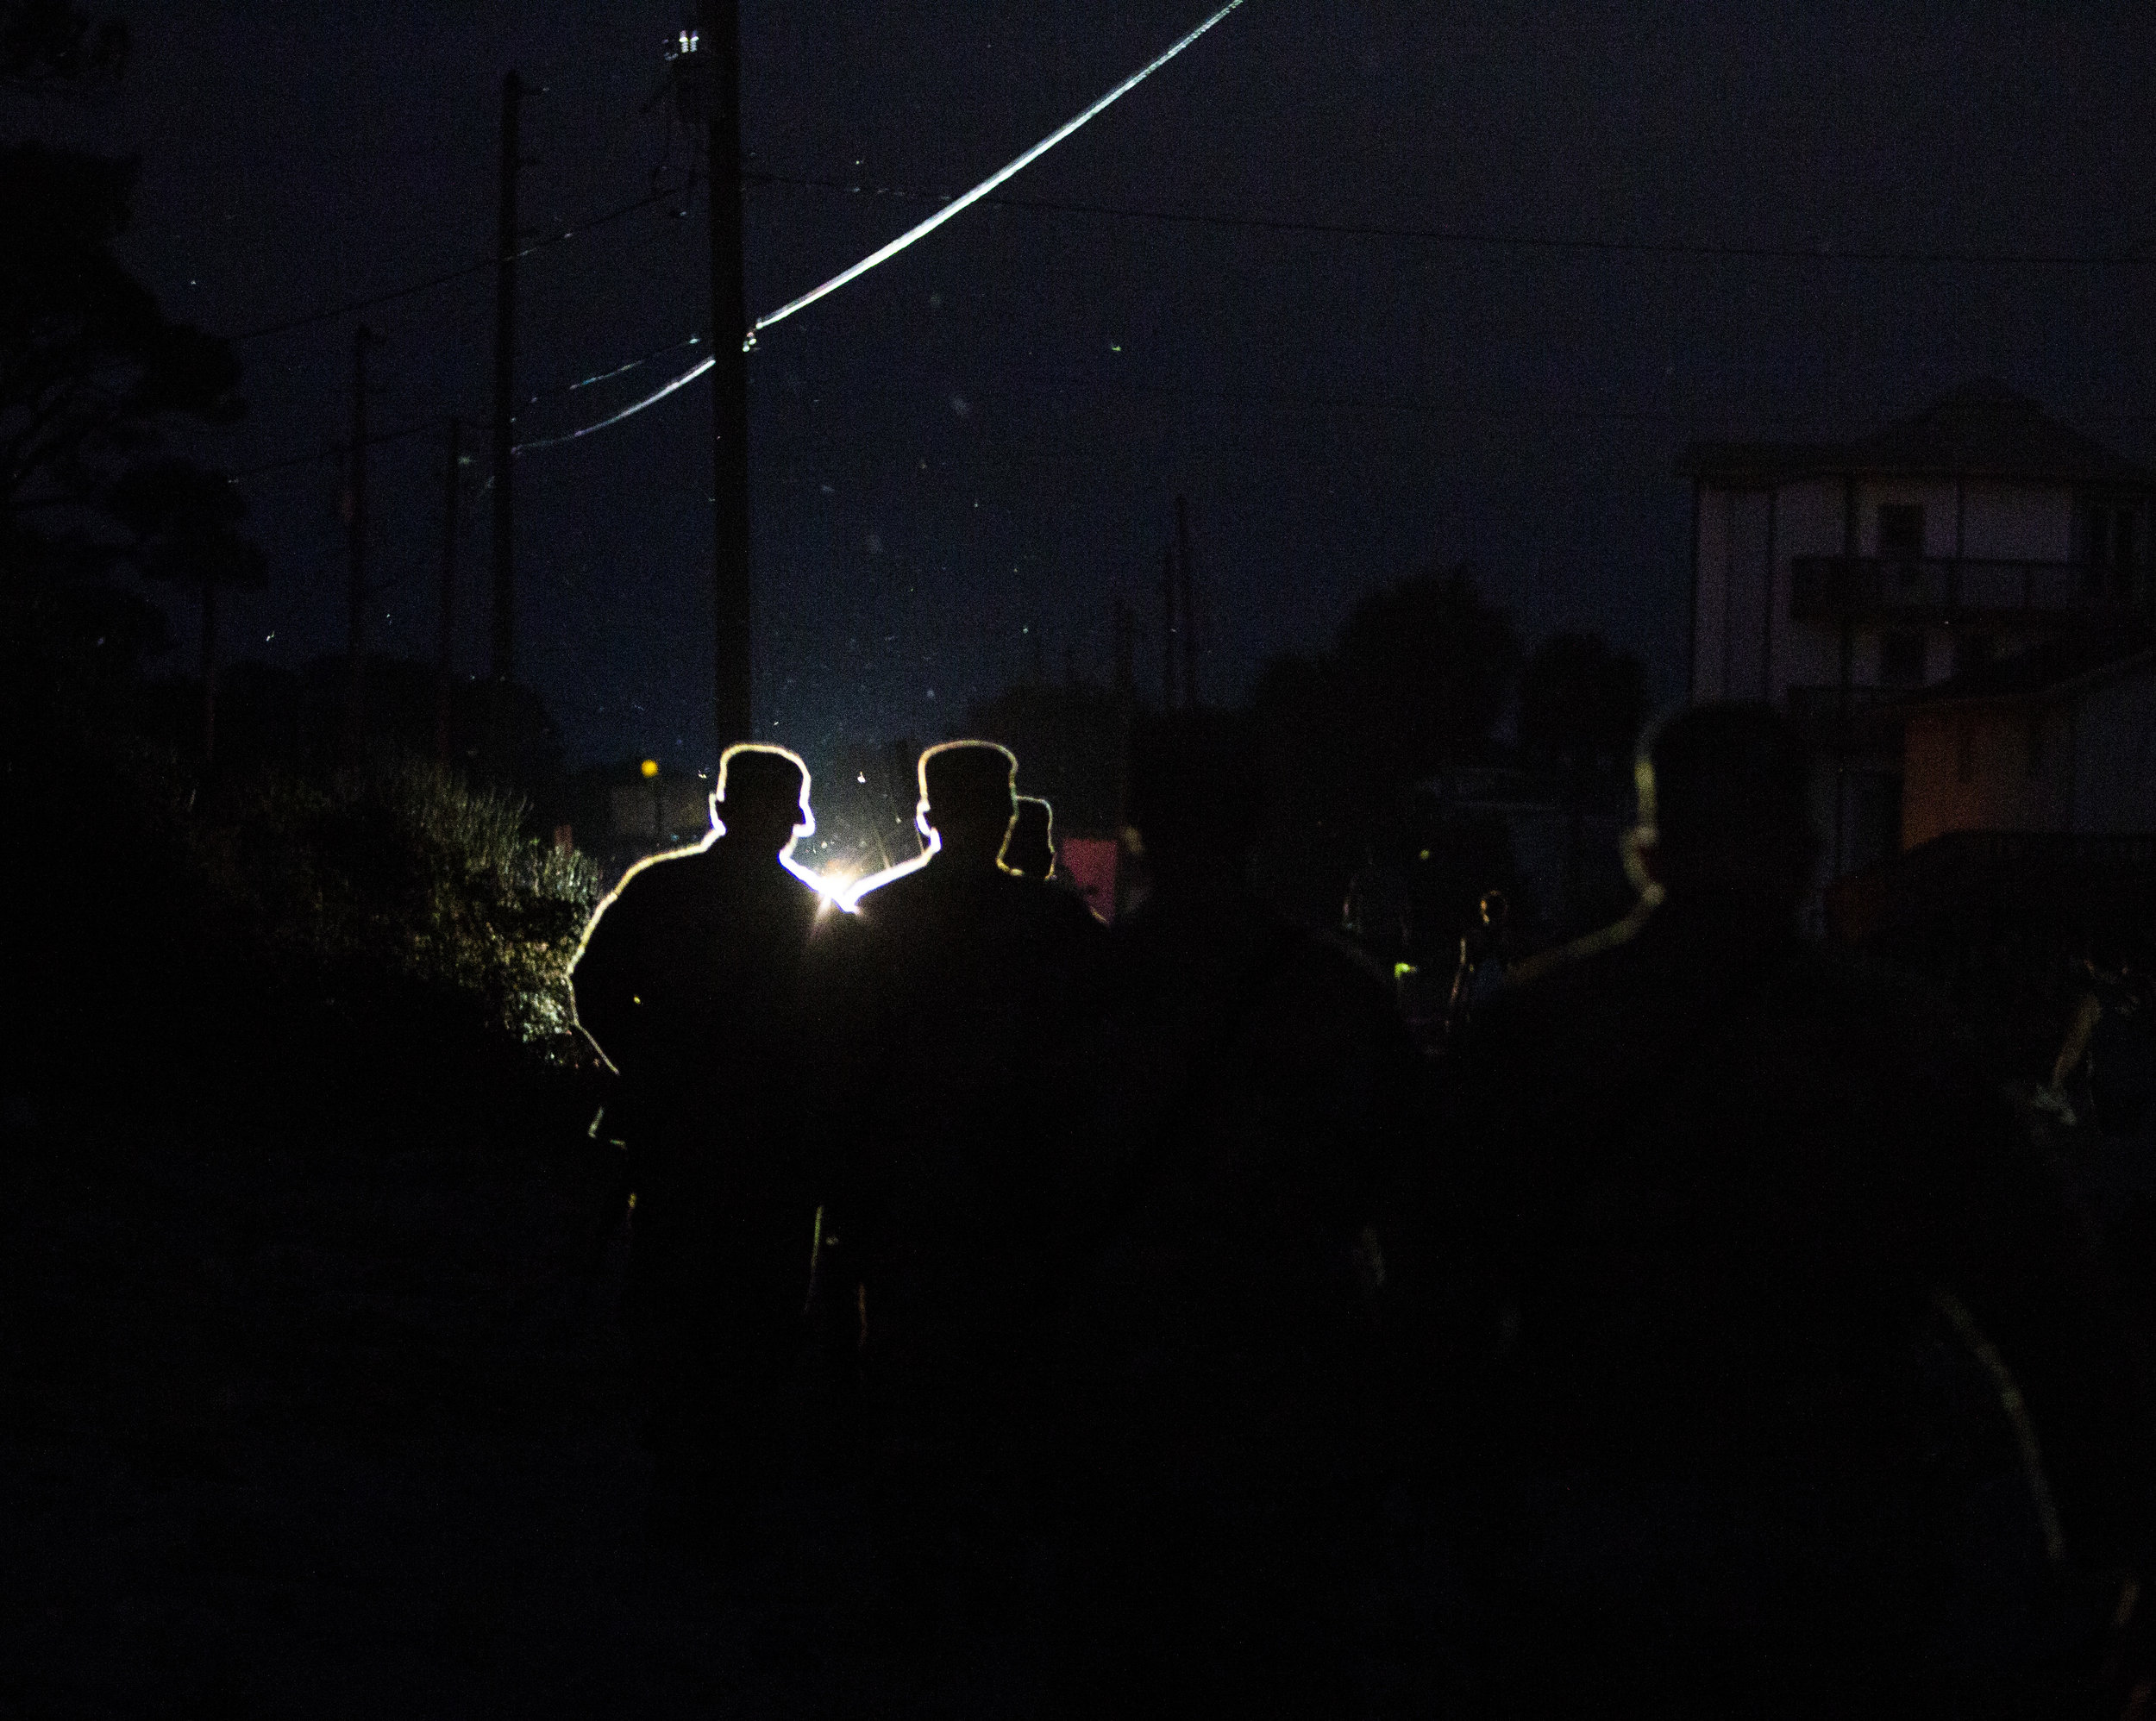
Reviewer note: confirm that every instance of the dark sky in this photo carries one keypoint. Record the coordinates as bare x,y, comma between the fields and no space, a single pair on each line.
987,435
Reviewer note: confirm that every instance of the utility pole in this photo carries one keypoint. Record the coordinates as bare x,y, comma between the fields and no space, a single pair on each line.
1189,602
504,661
356,598
1167,629
445,654
208,670
719,30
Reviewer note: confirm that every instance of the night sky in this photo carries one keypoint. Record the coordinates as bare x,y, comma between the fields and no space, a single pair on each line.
986,436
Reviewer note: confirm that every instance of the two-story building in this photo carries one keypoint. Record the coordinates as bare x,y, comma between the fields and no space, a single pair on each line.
1835,578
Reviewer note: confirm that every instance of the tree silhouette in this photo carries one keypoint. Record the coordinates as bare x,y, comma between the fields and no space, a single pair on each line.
1417,682
1581,706
185,524
48,48
92,373
1426,666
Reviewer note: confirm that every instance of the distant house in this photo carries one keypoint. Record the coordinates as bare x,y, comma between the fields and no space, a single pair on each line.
1837,579
2028,814
2062,739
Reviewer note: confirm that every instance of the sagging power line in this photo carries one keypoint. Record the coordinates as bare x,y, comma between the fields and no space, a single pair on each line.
967,199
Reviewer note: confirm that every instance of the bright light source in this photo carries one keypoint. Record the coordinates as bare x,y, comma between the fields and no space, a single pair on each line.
649,767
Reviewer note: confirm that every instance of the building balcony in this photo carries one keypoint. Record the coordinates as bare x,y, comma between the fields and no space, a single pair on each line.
1964,588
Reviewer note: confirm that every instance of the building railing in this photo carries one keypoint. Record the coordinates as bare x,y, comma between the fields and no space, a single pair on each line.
1849,588
1819,703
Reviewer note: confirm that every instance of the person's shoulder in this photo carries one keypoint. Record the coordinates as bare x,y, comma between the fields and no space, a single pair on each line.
655,875
1582,966
648,887
1062,910
906,885
1575,1003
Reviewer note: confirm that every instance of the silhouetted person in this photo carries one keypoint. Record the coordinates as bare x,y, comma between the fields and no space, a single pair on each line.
1722,1234
1204,1431
1486,951
970,978
691,983
1029,850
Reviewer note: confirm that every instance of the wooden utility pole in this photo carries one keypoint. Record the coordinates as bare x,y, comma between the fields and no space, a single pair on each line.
445,651
356,598
718,30
1189,602
504,657
208,670
1167,629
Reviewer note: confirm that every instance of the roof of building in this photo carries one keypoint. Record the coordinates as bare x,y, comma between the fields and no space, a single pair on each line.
2058,666
1984,430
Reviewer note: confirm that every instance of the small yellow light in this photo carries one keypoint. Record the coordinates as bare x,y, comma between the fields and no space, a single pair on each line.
649,767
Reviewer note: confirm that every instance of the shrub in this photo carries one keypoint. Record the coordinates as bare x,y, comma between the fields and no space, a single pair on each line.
391,877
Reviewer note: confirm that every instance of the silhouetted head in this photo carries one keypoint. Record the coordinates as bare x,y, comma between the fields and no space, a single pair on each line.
1196,795
1029,850
1495,910
966,797
762,797
1725,812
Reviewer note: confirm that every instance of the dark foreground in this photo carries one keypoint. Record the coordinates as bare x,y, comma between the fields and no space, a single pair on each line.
325,1429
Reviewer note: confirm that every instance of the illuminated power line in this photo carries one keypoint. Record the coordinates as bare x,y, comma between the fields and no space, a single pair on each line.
629,411
1491,239
337,450
967,199
619,370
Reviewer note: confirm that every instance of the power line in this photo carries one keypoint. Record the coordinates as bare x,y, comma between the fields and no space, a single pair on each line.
338,450
1488,238
629,411
966,199
446,276
609,375
334,451
1524,412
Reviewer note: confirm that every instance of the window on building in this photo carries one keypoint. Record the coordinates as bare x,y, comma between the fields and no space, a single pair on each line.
1901,659
1901,531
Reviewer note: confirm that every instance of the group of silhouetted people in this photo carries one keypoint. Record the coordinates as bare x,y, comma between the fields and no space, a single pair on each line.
1702,1332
